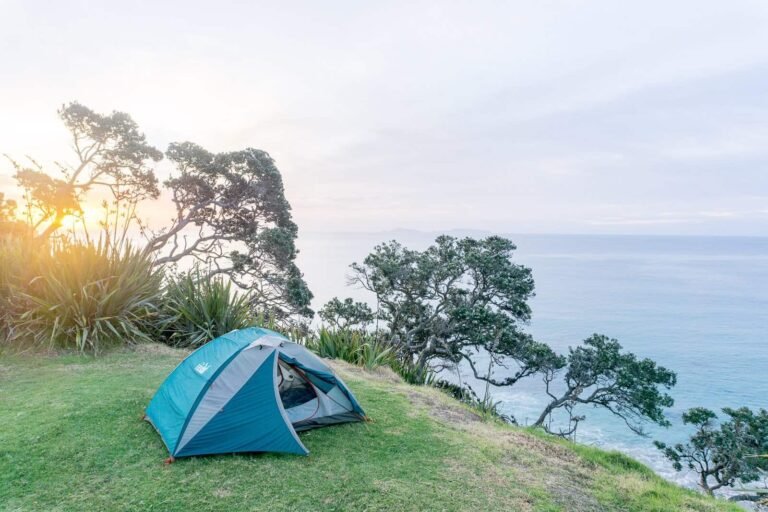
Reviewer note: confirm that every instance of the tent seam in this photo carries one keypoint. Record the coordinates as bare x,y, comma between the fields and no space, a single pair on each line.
201,395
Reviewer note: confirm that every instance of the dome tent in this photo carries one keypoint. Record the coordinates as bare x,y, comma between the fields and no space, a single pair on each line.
250,390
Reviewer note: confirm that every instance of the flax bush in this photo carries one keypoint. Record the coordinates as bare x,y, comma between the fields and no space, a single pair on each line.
196,309
86,297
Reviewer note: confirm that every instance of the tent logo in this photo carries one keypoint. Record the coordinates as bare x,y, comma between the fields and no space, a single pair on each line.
202,368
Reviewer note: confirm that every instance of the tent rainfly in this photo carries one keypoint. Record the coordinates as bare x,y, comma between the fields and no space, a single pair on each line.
250,390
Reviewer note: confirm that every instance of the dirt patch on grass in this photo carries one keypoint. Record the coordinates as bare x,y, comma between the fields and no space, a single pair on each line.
537,465
5,372
222,493
549,449
159,349
380,373
438,407
550,466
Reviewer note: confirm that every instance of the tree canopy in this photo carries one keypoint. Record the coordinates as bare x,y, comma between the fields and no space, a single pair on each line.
455,300
9,223
231,216
110,153
600,374
346,314
724,453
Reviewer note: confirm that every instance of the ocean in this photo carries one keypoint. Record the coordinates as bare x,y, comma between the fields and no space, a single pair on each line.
696,305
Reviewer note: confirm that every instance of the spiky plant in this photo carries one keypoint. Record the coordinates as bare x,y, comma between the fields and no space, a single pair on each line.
338,344
196,309
19,258
374,352
357,347
88,297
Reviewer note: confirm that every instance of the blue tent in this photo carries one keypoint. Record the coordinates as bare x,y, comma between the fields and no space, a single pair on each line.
250,390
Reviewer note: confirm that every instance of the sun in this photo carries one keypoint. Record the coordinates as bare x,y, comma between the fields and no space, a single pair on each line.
89,217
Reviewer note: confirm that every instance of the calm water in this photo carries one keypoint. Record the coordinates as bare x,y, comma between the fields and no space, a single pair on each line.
696,305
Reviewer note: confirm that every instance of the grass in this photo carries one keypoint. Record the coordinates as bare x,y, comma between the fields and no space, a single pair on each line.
72,439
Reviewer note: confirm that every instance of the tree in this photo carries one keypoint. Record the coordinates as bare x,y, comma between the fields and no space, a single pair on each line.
598,373
9,224
111,153
346,314
725,453
7,209
231,215
458,299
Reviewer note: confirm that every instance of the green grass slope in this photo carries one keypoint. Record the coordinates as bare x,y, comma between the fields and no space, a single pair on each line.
71,438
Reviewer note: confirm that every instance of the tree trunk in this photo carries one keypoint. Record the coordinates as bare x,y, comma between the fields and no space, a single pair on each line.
52,227
554,404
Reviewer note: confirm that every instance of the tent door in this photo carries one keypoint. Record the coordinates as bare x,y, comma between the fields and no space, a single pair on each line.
296,391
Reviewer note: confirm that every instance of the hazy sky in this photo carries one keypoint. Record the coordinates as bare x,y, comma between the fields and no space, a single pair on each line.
538,116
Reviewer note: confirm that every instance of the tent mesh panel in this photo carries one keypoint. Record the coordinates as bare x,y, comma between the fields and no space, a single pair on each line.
293,386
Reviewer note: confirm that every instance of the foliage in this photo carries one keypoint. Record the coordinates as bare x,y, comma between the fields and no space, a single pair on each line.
722,453
346,314
232,215
111,153
454,300
356,347
7,208
18,260
76,415
374,353
369,351
10,225
598,373
88,297
231,210
413,374
488,408
196,309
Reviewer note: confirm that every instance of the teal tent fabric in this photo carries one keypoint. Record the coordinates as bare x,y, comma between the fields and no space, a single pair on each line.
172,403
225,397
251,421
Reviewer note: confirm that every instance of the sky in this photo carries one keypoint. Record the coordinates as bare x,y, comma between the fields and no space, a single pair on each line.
642,117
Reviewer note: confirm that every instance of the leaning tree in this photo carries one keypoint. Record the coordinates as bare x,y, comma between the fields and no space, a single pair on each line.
230,214
599,374
722,453
460,300
110,154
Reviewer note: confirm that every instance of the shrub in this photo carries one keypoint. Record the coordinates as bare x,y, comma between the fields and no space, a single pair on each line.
342,345
414,374
18,257
196,309
356,347
375,352
88,297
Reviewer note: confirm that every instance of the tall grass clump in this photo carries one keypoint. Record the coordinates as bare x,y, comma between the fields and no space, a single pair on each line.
196,309
18,256
357,347
88,297
414,374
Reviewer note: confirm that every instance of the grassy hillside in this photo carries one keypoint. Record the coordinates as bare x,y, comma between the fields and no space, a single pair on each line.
72,439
